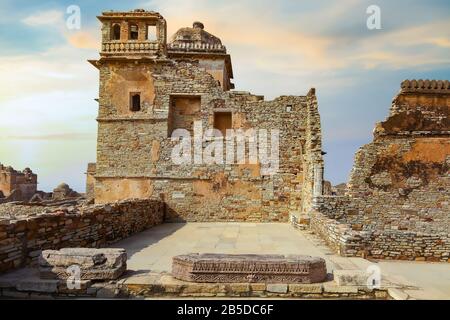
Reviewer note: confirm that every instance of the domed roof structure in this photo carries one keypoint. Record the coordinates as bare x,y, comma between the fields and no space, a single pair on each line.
196,38
63,186
197,44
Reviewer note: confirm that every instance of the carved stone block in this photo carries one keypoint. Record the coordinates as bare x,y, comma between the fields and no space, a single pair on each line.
249,268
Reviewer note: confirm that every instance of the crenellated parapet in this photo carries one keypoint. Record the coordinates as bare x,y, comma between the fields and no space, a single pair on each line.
421,107
425,86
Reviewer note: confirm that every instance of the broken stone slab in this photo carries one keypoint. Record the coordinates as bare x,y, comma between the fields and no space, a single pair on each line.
93,264
234,268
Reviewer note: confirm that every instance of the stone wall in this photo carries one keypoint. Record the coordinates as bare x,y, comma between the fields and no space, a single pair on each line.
21,241
339,236
312,163
398,194
407,245
407,185
388,244
334,206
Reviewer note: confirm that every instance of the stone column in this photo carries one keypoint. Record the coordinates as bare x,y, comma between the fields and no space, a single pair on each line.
318,180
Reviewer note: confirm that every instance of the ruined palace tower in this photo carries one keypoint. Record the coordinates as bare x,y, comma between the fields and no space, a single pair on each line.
16,185
149,88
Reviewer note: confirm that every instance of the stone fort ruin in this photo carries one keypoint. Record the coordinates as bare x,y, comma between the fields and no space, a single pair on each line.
395,206
17,185
21,187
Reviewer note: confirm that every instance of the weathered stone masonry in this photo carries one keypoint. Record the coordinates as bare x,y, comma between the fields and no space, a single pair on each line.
397,204
21,241
178,83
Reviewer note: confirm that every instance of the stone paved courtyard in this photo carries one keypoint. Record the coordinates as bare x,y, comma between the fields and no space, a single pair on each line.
153,249
150,254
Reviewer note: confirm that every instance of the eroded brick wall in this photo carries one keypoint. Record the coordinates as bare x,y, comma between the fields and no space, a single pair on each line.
403,184
399,190
21,241
401,180
386,244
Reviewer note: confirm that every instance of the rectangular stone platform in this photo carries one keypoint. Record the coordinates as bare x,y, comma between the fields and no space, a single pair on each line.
249,268
94,264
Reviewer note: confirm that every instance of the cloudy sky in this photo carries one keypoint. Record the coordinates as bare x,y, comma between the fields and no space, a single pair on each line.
47,89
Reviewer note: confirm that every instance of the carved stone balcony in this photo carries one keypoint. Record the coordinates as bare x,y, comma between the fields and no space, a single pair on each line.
196,47
118,48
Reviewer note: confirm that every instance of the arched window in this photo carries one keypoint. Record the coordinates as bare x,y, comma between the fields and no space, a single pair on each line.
134,32
115,32
135,103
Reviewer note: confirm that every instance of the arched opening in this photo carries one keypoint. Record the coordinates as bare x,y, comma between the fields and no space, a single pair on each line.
134,32
135,103
115,34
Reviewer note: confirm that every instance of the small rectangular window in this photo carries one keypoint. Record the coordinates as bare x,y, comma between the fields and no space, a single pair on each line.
222,121
151,33
135,101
